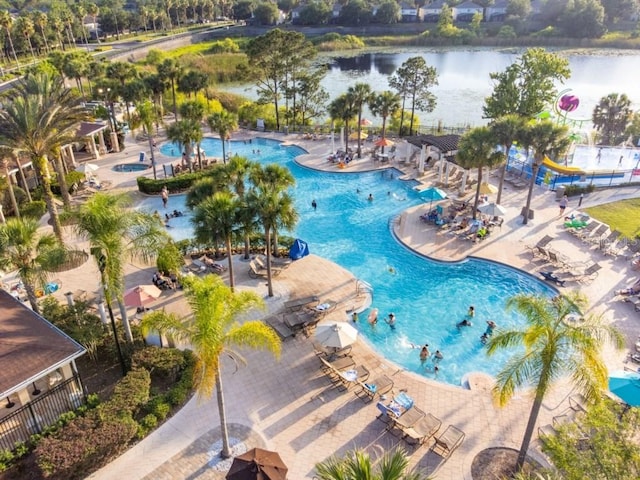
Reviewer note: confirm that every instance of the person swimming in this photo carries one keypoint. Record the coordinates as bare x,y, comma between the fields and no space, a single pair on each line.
437,357
391,321
373,316
370,198
466,322
424,353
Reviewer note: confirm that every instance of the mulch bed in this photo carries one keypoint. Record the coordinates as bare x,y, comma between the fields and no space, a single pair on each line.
498,463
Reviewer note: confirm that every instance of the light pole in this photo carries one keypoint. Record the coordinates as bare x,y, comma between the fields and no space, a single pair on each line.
110,112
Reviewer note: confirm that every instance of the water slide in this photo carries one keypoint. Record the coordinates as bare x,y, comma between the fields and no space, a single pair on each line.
561,169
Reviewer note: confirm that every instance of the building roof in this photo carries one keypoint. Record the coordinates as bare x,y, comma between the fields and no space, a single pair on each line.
468,5
30,346
90,128
445,143
437,5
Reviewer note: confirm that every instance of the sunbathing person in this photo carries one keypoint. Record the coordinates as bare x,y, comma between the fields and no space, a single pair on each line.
633,290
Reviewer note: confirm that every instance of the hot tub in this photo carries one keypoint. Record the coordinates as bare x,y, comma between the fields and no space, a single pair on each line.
131,167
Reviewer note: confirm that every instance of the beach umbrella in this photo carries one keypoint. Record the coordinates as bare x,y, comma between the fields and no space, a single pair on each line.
257,464
354,135
492,209
383,142
335,334
433,193
487,188
87,168
626,386
141,295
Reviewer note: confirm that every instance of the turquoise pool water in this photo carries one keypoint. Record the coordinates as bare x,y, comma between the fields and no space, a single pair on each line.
427,297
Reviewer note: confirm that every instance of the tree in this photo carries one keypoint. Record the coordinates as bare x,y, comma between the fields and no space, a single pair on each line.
25,26
312,97
215,218
146,114
314,13
237,173
4,161
6,20
223,123
611,117
358,465
40,19
355,13
42,116
608,451
505,131
80,12
388,13
385,105
213,331
633,130
412,81
361,95
185,133
30,253
266,13
193,82
583,19
543,138
553,348
343,108
528,86
117,234
616,10
518,9
170,70
477,148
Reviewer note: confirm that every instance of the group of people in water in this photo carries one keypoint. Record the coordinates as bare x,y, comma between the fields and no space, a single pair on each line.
466,322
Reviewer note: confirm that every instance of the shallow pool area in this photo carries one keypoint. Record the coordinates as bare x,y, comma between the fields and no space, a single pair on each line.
427,297
131,167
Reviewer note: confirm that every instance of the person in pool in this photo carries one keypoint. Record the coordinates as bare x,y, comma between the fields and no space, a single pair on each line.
391,321
491,326
424,353
466,322
437,357
370,198
472,311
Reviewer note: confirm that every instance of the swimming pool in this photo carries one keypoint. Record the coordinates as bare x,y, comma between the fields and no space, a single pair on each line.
427,297
131,167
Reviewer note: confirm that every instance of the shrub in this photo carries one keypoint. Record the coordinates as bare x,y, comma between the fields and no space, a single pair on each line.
178,395
159,407
163,362
572,190
506,31
169,259
130,393
175,184
35,209
148,423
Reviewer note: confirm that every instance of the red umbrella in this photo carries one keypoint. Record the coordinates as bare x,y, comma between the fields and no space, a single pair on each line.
383,142
141,295
257,464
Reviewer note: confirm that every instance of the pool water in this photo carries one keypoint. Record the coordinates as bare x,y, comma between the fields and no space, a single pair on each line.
427,297
131,167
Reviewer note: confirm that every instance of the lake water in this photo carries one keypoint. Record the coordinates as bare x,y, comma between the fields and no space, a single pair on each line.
464,82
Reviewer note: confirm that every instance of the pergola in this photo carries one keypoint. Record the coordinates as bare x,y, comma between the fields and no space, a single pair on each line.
441,147
87,130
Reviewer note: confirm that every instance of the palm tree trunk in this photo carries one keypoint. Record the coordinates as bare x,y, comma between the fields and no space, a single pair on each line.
224,155
44,37
404,97
175,105
13,50
267,237
531,424
62,181
23,179
125,321
224,430
534,174
12,195
359,132
503,173
247,247
42,166
151,149
475,203
230,259
276,252
31,295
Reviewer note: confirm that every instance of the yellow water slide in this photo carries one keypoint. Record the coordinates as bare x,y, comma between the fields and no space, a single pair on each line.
556,167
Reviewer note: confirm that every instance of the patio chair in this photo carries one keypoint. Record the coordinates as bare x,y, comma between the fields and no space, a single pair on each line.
588,275
343,363
408,419
298,303
541,243
379,386
323,352
255,270
447,443
556,259
348,378
593,236
423,430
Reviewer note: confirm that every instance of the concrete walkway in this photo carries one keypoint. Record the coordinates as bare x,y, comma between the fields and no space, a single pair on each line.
291,407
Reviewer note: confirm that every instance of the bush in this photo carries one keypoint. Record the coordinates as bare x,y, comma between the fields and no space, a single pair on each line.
162,362
169,259
159,407
35,209
573,190
148,423
180,183
130,393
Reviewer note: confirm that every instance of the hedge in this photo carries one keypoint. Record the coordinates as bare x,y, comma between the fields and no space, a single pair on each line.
176,184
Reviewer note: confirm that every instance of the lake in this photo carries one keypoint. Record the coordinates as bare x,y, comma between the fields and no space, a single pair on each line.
463,76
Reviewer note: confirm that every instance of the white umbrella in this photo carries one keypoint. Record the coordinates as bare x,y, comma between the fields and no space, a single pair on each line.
335,334
87,168
492,209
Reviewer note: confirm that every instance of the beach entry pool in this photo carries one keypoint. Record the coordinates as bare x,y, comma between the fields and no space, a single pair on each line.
428,298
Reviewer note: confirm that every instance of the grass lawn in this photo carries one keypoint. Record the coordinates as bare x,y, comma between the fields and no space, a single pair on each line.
623,216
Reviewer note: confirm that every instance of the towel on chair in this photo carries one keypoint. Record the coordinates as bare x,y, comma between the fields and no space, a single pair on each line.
323,306
371,387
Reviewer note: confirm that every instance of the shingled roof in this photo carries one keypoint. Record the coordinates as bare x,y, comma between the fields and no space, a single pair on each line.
445,143
30,346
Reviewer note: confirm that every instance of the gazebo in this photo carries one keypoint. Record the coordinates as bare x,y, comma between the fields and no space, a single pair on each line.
88,131
439,147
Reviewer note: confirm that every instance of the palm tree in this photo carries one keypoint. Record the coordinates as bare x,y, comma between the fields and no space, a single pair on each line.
215,217
146,114
42,116
223,123
4,161
361,95
93,10
171,70
40,19
544,138
343,108
22,248
6,20
185,133
213,330
25,26
477,148
611,117
385,105
117,234
358,465
553,348
80,12
505,131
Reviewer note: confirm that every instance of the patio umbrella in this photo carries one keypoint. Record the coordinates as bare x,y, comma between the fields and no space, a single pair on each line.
492,209
384,142
257,464
87,168
487,188
433,193
354,135
141,295
335,334
365,122
626,386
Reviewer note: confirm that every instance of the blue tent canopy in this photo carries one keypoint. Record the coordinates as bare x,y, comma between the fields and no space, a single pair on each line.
299,249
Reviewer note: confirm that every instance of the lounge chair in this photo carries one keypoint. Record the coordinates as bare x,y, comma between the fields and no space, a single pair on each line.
588,275
298,303
296,321
196,266
379,386
423,430
446,443
593,236
255,270
407,420
541,243
323,352
348,378
278,325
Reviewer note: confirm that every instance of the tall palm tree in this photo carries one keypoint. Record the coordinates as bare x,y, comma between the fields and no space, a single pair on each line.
215,217
40,19
385,105
24,249
117,234
146,113
544,138
171,70
79,11
223,123
506,131
477,148
185,133
213,331
343,108
25,26
553,349
357,465
611,117
362,95
42,116
6,21
93,10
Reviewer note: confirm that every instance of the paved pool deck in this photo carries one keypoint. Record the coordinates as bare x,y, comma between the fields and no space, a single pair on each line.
291,407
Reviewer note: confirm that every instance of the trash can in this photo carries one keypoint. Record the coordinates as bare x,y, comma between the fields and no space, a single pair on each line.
142,156
560,192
